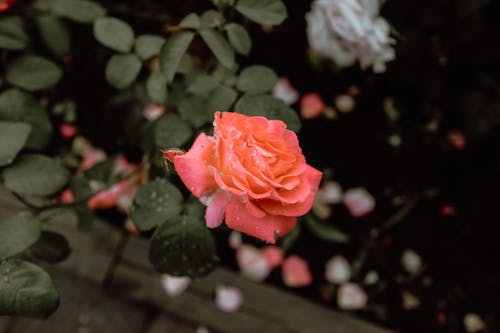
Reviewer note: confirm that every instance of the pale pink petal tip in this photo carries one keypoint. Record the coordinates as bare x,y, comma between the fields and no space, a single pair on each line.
235,240
296,272
174,285
273,255
253,263
216,210
228,299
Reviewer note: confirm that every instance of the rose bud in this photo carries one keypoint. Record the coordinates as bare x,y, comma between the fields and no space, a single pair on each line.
351,297
285,91
174,285
250,173
359,202
296,272
228,299
311,106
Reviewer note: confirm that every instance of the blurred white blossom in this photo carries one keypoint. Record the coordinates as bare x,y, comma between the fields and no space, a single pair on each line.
411,262
174,285
358,201
347,31
285,91
228,299
473,323
351,297
337,270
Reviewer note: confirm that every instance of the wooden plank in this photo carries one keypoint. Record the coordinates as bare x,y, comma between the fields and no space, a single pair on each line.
190,306
264,301
86,307
166,324
4,324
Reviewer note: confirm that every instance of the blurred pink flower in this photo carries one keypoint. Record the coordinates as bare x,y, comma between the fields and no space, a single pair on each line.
273,255
296,272
285,91
330,192
312,106
358,201
235,240
337,270
68,131
228,299
458,140
67,196
351,297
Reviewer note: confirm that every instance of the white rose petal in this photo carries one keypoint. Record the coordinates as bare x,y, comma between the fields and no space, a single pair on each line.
285,91
174,285
351,297
358,201
253,263
228,299
337,270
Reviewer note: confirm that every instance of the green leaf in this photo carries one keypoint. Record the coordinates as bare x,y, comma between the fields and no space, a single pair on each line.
191,21
26,290
211,19
114,33
267,12
183,246
147,46
33,73
54,33
225,75
155,203
256,79
12,34
80,187
325,232
13,137
156,87
101,171
193,109
202,84
122,70
18,233
18,106
187,64
239,38
219,46
221,99
37,175
194,207
269,107
172,51
171,131
82,11
51,247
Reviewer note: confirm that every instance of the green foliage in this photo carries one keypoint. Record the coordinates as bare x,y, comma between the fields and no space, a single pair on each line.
155,203
114,33
37,175
269,107
17,106
18,233
147,46
256,79
51,247
12,34
26,290
194,110
33,73
172,52
183,246
203,83
268,12
13,137
239,38
191,21
211,19
54,33
82,11
156,87
325,232
171,131
122,70
221,99
219,46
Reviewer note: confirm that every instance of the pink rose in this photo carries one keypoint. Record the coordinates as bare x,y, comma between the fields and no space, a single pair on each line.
312,106
251,173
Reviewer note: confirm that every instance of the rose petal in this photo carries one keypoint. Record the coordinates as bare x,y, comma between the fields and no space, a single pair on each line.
273,254
238,218
358,201
194,166
296,272
253,263
337,270
351,297
278,208
214,215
